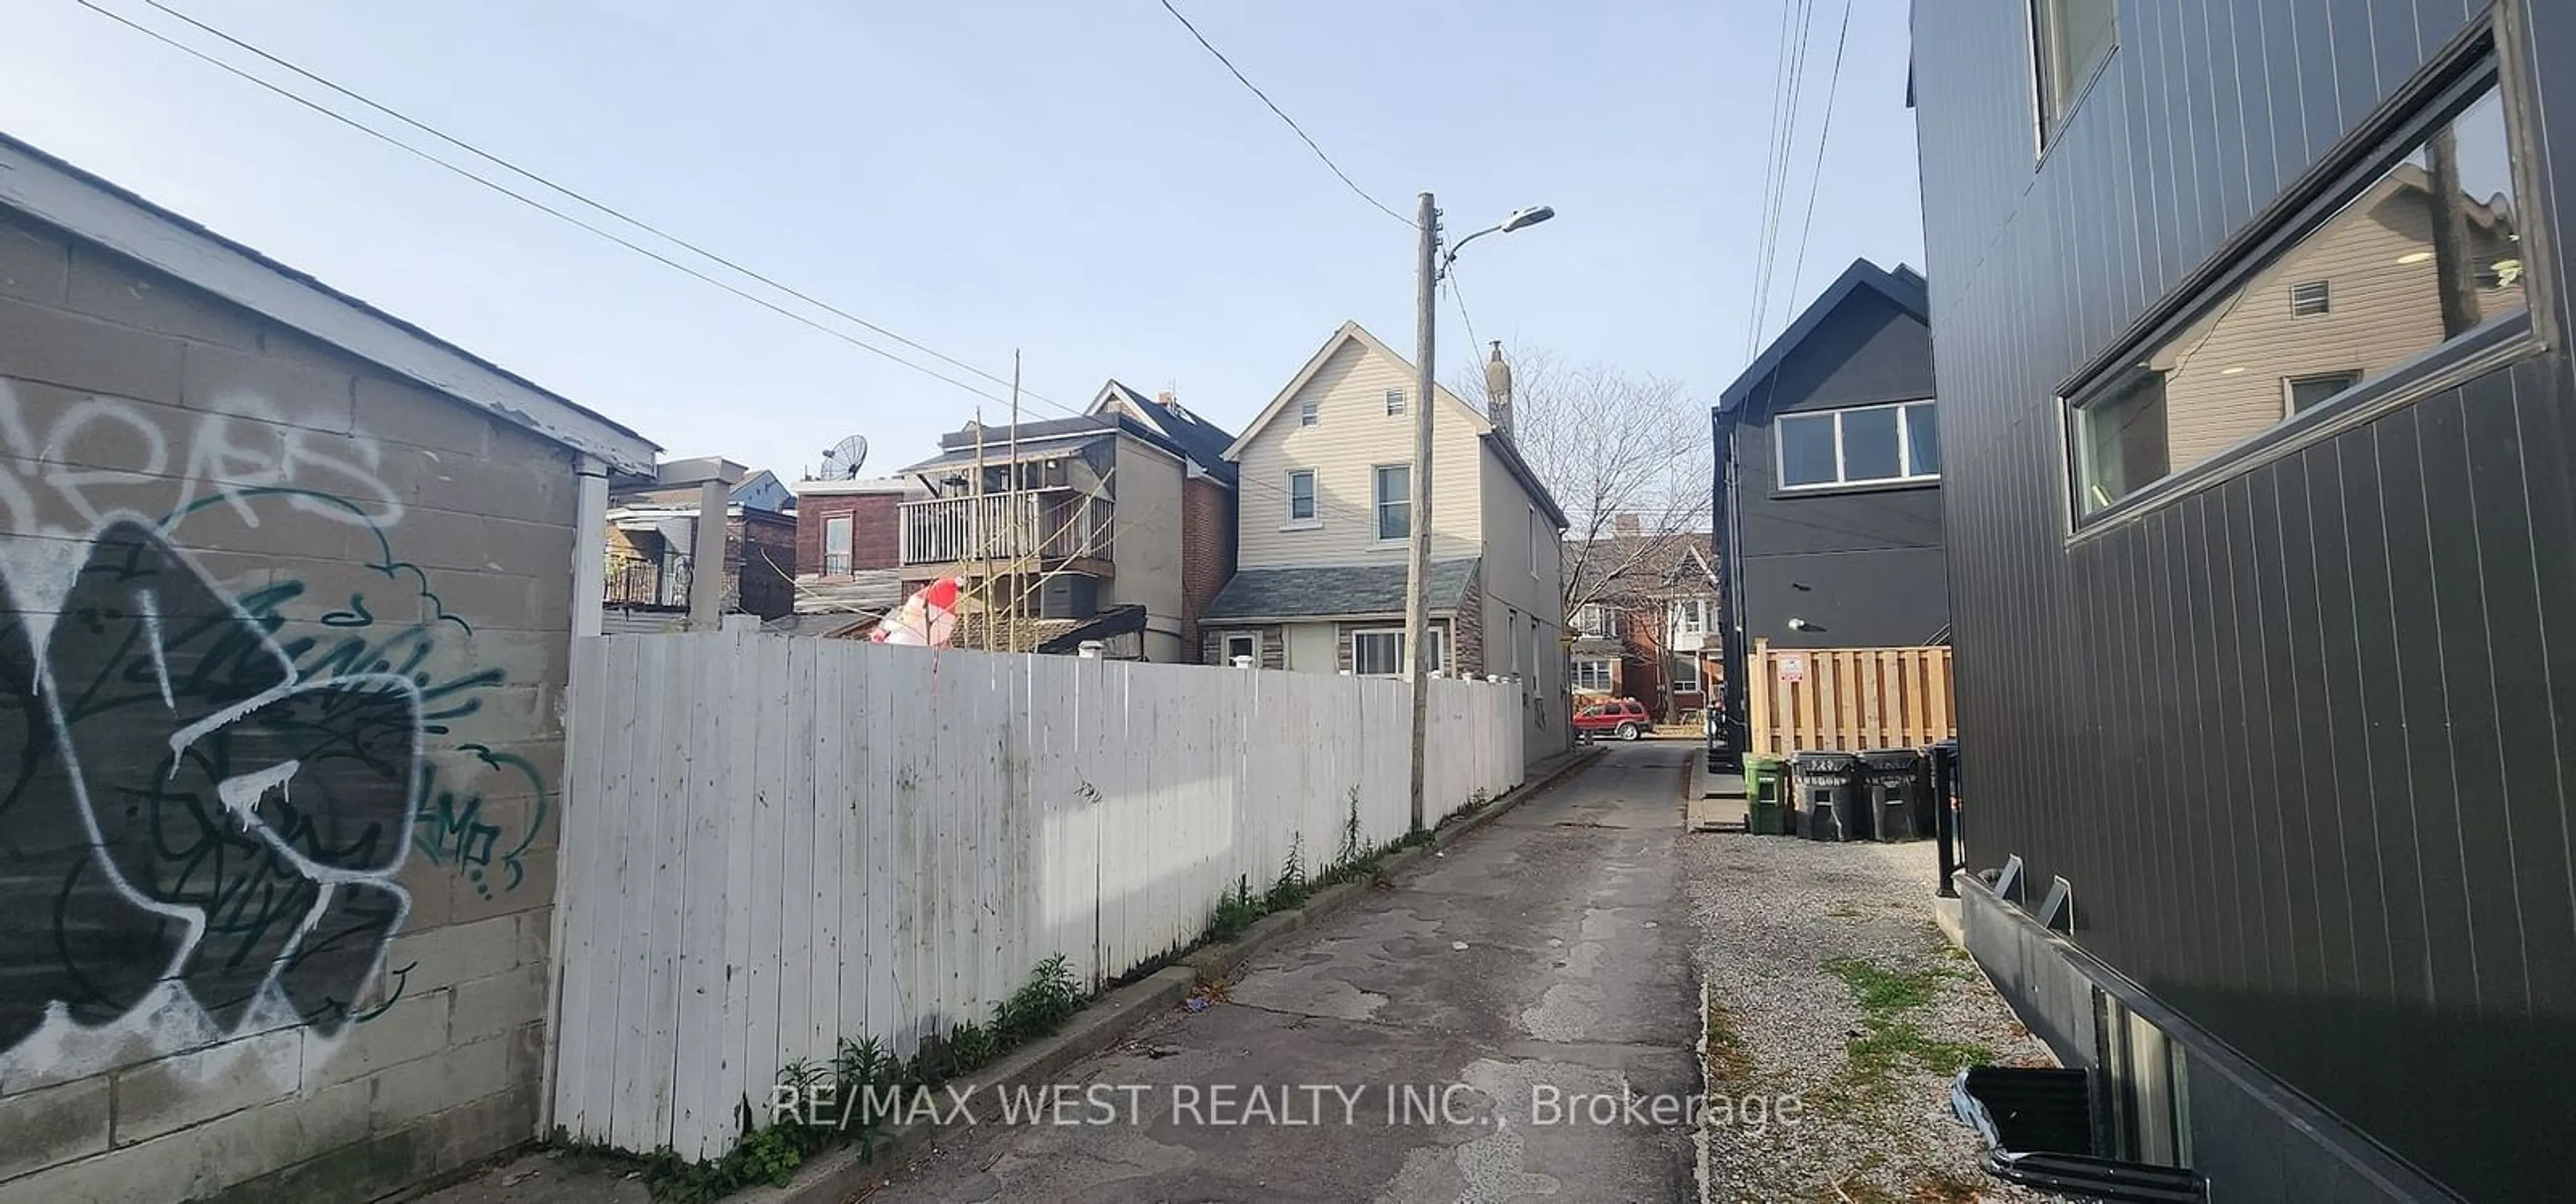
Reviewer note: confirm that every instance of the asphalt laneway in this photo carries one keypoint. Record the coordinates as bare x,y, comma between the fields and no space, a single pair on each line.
1371,1058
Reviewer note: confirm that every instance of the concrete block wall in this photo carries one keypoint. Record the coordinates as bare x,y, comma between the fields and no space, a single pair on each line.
305,955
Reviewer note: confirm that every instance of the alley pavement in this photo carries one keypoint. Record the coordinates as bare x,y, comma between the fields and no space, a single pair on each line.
1515,1018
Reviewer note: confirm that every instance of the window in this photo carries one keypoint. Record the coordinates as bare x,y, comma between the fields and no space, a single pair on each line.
2411,248
1690,616
1301,496
1592,674
1592,619
1243,644
1309,412
1380,651
2072,40
1394,501
1859,446
2301,393
1395,401
1686,675
1533,542
836,546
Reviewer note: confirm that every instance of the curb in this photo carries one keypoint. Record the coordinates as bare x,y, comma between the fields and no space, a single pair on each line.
846,1173
843,1174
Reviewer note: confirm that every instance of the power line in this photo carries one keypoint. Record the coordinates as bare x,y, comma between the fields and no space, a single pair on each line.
1283,115
550,210
1790,73
1833,84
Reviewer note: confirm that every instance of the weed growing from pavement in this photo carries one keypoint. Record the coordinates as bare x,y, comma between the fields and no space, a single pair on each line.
1891,1042
865,1077
1728,1061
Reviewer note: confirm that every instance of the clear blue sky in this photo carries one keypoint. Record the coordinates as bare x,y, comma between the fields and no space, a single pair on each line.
1078,181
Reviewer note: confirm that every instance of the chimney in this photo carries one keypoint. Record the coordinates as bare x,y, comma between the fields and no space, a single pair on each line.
1626,525
1498,392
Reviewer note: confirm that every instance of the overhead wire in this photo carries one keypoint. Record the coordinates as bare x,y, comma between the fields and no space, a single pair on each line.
1824,135
1796,20
1282,114
561,190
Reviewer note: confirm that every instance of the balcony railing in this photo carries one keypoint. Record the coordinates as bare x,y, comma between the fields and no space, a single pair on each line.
1047,525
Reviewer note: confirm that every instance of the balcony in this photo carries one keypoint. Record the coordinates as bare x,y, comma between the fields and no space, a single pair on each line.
1049,526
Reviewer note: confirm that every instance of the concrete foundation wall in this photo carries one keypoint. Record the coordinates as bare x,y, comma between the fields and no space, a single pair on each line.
283,646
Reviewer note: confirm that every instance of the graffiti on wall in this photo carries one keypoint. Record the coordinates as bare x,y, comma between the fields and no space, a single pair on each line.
206,795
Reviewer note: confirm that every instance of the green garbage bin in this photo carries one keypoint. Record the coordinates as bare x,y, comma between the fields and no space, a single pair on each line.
1766,812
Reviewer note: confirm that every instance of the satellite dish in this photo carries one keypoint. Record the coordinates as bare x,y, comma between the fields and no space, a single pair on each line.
845,457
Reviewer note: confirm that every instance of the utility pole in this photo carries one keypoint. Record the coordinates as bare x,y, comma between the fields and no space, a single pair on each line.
1417,577
1019,579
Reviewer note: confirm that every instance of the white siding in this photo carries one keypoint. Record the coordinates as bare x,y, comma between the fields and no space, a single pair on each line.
1353,436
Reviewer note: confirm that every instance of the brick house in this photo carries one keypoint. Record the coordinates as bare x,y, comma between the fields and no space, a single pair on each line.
848,558
248,521
1649,630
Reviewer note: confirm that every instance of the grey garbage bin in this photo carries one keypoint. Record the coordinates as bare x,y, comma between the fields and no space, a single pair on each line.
1828,786
1893,787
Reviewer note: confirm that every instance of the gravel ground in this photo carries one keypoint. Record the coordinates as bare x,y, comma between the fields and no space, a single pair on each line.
1828,985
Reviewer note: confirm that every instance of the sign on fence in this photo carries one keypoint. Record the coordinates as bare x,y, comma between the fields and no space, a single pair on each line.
1847,699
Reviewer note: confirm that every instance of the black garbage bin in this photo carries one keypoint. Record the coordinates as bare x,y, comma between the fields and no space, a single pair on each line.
1893,791
1828,786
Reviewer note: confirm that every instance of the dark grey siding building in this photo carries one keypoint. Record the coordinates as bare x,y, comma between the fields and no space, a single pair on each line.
1828,479
2260,483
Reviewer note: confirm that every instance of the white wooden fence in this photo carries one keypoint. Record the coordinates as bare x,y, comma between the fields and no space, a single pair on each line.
771,843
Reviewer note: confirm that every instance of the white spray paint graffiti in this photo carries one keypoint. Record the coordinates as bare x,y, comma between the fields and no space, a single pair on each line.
202,814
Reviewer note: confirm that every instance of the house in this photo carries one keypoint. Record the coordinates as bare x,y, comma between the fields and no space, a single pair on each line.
1828,491
1646,627
652,532
2257,484
1108,526
287,603
848,553
1326,520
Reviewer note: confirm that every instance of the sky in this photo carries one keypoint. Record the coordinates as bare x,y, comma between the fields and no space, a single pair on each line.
1080,183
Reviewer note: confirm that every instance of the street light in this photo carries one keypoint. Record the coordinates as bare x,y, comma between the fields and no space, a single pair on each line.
1431,267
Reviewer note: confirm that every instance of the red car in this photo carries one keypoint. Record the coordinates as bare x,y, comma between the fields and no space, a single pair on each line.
1625,718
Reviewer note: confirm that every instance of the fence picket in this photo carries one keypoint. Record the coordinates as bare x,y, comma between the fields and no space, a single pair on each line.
770,844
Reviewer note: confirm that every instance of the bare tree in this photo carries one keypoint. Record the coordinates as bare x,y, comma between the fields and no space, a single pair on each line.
1628,458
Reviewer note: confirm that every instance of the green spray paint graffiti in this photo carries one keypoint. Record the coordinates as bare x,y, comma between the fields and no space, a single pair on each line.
454,823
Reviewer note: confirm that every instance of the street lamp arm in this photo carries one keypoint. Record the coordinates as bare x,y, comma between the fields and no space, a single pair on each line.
1451,256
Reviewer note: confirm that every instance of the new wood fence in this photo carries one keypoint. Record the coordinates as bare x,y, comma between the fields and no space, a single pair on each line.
1847,699
770,844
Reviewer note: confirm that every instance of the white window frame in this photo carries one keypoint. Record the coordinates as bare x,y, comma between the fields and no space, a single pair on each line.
2351,378
1593,619
1378,503
1439,649
1691,662
1310,412
1842,478
1394,403
1313,516
839,532
1533,542
1609,674
1226,642
1691,616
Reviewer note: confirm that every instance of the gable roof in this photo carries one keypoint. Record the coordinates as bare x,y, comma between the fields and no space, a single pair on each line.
1904,287
1350,332
1353,332
92,209
1204,442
